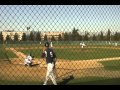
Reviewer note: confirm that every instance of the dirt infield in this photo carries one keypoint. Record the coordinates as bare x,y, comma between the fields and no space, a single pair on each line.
17,71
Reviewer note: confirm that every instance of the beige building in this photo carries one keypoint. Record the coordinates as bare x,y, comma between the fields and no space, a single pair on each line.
50,34
20,34
12,34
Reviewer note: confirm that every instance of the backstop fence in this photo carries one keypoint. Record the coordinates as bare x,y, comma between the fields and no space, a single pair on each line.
85,39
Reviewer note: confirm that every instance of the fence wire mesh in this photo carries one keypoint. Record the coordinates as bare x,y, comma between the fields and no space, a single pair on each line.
85,39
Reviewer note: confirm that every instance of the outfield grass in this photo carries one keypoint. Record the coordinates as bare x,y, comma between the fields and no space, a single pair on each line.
10,82
35,52
5,54
95,81
62,43
66,52
69,81
32,45
111,65
78,54
88,53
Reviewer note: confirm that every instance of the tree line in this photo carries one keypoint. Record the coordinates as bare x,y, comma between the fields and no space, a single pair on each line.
87,36
68,36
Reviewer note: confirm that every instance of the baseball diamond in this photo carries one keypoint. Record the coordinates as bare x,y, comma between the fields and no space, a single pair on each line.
59,44
65,66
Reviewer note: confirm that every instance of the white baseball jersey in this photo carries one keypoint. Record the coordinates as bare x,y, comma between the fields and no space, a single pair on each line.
28,60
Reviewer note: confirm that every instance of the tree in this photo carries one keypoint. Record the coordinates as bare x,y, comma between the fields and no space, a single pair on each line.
45,38
66,36
86,38
53,38
80,38
8,38
24,37
32,36
70,36
59,37
1,37
116,36
108,36
28,28
101,36
38,36
75,35
16,37
94,38
119,36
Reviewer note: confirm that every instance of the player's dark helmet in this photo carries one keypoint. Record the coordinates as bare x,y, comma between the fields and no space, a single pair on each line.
47,44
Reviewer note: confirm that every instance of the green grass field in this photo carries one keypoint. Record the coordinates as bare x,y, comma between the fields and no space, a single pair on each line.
71,52
78,54
95,81
69,81
11,82
113,65
6,54
68,52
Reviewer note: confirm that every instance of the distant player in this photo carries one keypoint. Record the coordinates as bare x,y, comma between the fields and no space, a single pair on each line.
51,44
82,45
28,60
116,44
50,60
40,43
109,43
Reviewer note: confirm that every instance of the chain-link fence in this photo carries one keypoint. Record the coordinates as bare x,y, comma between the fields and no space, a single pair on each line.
85,39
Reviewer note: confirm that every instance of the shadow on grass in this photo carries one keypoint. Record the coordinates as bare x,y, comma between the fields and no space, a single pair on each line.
66,80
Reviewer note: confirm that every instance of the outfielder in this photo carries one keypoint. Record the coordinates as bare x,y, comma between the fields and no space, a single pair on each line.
51,45
82,45
116,44
50,60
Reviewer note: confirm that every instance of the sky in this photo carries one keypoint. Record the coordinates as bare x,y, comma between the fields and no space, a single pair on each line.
91,18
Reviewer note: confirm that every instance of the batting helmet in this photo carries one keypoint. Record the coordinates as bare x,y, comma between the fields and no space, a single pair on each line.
47,44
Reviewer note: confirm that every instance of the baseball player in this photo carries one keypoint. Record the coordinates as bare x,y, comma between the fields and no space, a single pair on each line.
28,60
50,60
82,45
51,44
116,44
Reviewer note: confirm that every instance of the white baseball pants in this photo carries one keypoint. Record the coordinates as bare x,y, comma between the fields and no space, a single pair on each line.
50,74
